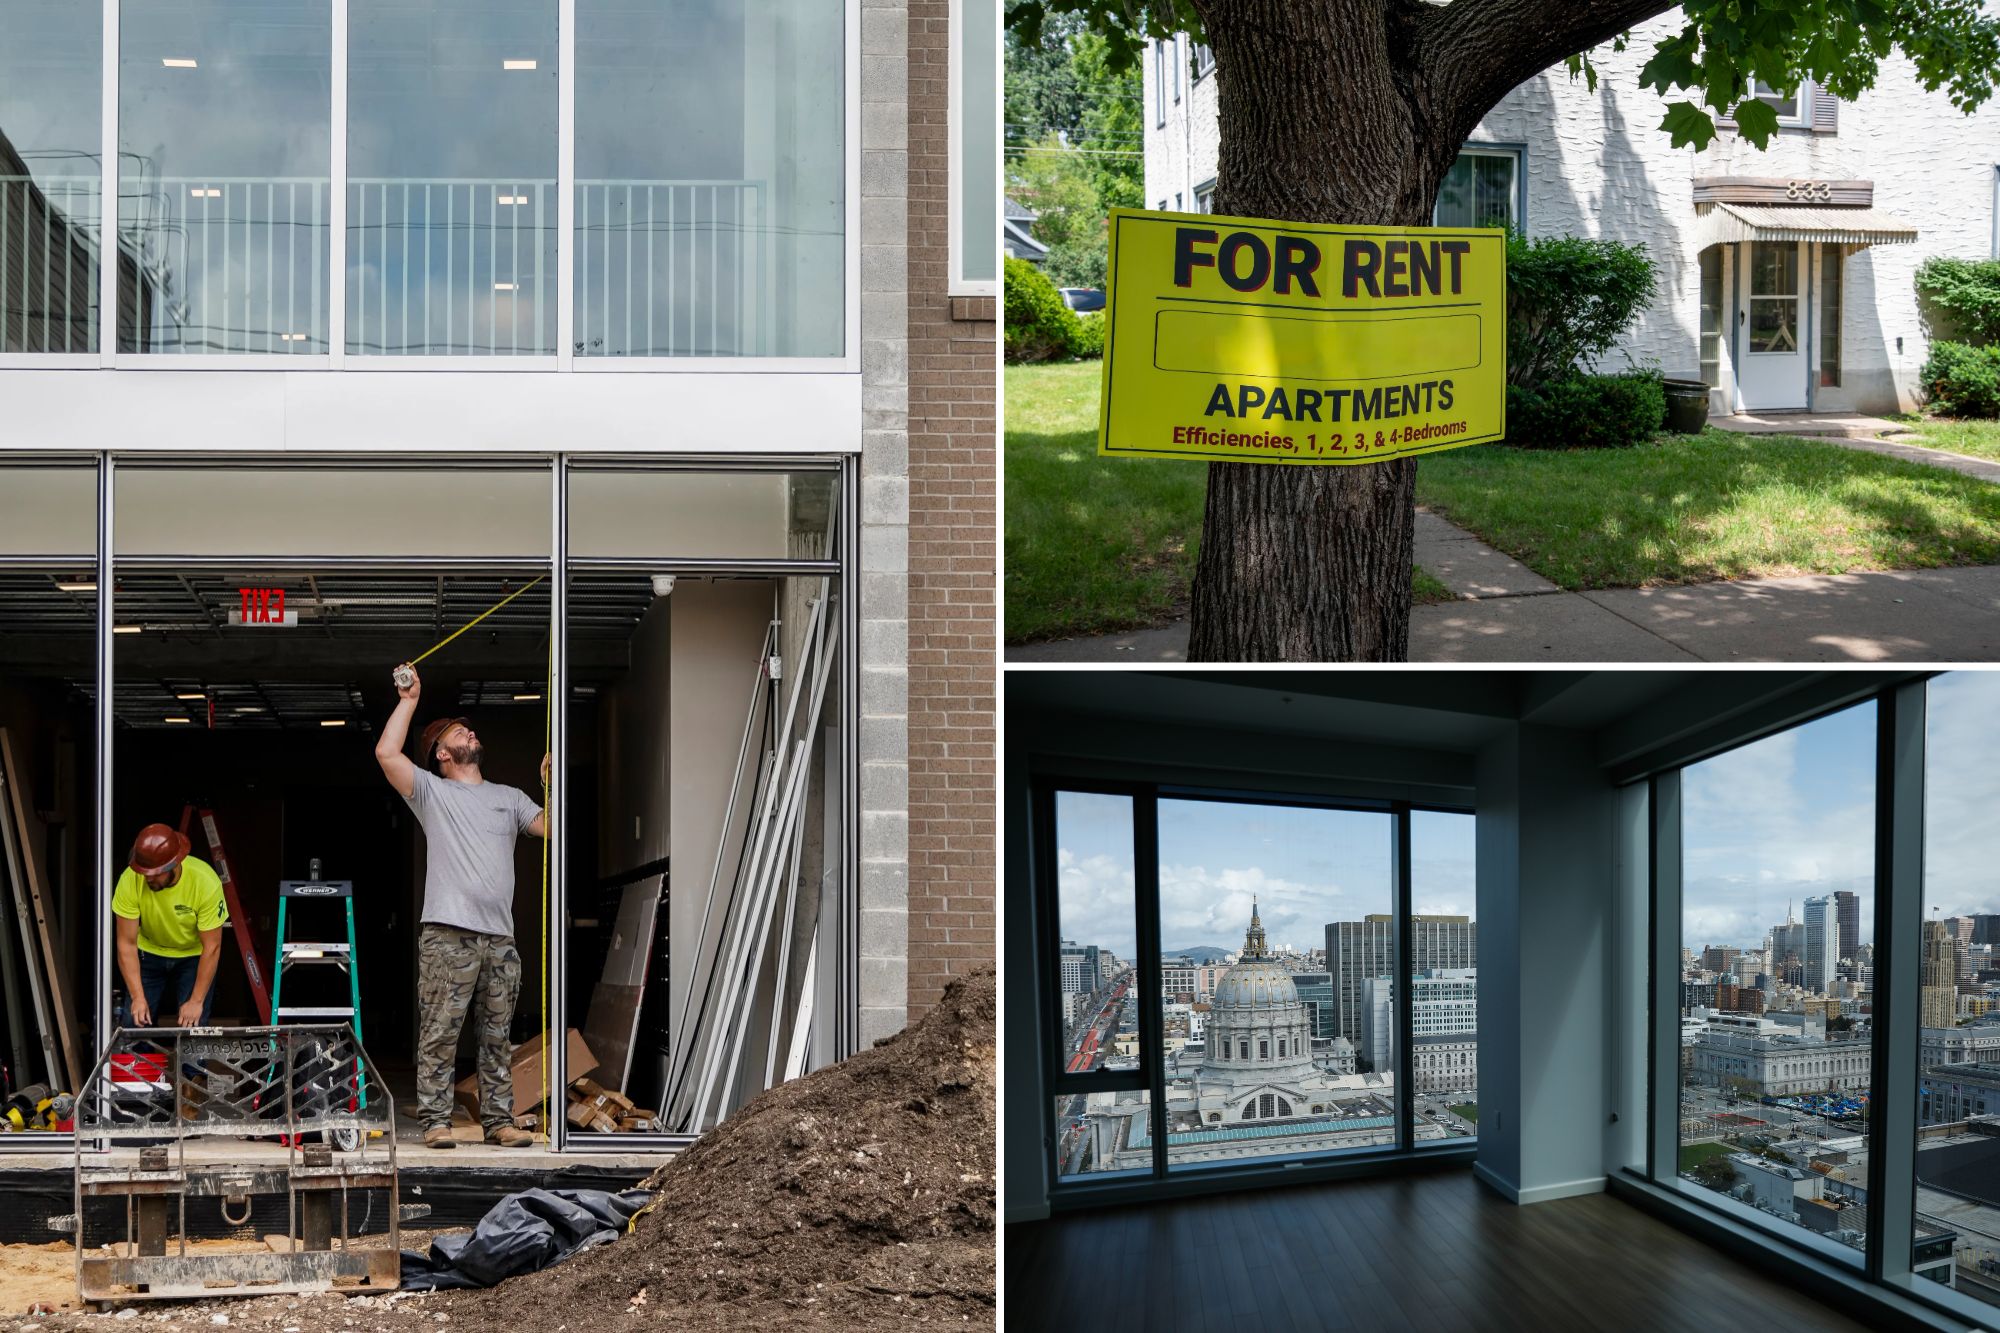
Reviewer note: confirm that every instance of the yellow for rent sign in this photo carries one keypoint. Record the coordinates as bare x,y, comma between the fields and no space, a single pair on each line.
1281,342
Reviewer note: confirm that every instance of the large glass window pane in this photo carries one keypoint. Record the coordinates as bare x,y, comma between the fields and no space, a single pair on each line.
714,515
1777,956
1095,990
51,109
1711,316
451,173
224,153
1444,987
711,178
977,33
1252,898
1957,1239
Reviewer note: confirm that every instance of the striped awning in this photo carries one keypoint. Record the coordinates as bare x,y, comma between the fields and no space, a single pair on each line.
1719,224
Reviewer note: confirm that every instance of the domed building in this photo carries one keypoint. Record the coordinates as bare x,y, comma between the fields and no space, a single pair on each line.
1258,1062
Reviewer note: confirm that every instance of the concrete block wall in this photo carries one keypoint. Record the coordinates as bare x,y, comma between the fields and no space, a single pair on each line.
885,530
952,513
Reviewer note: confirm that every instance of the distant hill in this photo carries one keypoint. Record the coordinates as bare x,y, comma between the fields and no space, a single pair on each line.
1201,954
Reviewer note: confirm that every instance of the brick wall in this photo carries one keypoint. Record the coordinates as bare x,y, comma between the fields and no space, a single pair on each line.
953,552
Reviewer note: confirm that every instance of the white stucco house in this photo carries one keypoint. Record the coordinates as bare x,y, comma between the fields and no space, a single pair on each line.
1785,274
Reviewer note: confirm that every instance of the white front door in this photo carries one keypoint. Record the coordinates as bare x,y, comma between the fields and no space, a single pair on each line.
1771,315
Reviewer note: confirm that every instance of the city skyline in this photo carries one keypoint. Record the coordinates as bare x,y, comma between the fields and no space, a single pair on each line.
1304,868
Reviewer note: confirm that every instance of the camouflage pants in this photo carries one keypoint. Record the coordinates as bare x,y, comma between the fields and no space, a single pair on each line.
457,970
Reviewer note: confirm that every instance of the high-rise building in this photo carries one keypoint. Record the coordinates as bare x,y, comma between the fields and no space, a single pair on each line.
1316,994
1080,970
1822,944
1357,950
1720,958
1444,1027
1986,928
1787,947
1847,907
1937,975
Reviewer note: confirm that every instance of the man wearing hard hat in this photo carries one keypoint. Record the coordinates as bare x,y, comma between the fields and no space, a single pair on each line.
170,915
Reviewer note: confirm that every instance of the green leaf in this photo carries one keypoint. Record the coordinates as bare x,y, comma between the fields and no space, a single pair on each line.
1673,63
1688,125
1756,121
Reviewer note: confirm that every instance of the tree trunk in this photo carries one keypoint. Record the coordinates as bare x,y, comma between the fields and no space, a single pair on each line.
1325,117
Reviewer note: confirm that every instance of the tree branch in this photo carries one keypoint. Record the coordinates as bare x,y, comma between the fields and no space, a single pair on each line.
1472,53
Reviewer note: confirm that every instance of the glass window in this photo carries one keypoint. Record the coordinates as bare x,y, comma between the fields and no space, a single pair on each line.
1096,991
1774,297
451,177
1958,1043
711,167
224,154
1444,986
1777,949
1101,1135
1711,316
716,515
51,109
1480,190
1160,84
1253,897
975,198
1204,60
1785,104
1829,314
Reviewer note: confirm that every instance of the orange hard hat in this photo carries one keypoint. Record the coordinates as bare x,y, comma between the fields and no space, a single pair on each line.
158,847
435,733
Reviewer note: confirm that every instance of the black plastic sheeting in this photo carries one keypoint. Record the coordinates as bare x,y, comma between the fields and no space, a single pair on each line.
523,1233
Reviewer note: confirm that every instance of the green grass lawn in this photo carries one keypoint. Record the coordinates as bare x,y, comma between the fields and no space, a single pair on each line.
1467,1111
1688,509
1958,435
1694,1154
1095,544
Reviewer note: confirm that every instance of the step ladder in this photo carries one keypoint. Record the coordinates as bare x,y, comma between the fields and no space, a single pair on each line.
293,953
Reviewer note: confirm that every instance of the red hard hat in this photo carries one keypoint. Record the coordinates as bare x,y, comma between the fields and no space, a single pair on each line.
158,847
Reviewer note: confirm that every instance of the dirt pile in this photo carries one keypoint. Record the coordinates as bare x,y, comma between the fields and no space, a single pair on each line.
858,1196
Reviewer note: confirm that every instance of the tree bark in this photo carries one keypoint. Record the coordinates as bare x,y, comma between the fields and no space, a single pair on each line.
1346,111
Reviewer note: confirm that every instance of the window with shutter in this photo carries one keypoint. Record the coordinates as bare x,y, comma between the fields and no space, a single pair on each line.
1825,110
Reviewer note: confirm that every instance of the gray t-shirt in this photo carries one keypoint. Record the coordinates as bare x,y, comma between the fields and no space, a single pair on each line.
469,829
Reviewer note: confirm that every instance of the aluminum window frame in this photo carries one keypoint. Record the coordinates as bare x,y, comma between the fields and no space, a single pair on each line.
844,566
1047,779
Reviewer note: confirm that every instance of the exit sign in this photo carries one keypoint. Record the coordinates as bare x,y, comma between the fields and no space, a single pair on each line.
262,606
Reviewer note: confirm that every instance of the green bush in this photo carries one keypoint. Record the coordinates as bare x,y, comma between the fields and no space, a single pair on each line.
1963,381
1089,341
1587,411
1568,299
1039,327
1967,291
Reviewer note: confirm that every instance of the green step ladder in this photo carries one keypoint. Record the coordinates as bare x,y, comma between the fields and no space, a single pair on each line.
291,953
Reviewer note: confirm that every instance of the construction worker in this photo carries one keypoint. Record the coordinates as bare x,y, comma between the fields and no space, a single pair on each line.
465,945
170,915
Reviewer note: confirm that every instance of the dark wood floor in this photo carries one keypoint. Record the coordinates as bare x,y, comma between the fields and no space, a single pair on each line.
1429,1252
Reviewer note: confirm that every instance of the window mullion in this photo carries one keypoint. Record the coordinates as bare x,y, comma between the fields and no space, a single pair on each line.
1899,899
1146,901
1402,990
1663,1035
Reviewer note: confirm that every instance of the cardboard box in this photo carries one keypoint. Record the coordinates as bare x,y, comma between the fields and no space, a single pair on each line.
527,1068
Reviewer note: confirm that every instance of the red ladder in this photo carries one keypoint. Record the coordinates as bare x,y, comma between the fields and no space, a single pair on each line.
244,942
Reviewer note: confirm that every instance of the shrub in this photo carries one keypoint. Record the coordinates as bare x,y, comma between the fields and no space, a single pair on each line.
1963,381
1039,327
1587,411
1568,299
1967,291
1089,341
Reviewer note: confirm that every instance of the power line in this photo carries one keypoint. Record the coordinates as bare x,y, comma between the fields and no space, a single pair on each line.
1080,152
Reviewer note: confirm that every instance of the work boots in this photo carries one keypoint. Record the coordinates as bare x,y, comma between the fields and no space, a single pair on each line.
439,1136
509,1137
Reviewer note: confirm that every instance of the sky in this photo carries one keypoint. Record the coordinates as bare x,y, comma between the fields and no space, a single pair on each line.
1304,868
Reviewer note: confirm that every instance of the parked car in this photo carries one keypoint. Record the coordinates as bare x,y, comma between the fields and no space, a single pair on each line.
1083,300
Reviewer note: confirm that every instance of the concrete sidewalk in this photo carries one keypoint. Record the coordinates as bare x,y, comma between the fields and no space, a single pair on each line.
1512,614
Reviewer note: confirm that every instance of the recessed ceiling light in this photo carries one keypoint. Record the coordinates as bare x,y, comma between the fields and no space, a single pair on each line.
204,192
178,721
503,286
526,698
333,722
513,199
248,708
517,64
190,696
76,587
177,62
292,337
126,629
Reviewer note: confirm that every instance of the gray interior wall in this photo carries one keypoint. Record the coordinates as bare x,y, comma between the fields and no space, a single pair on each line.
635,734
716,638
1625,981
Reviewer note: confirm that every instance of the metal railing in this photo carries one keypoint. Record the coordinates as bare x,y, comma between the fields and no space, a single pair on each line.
450,267
671,268
49,237
224,264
